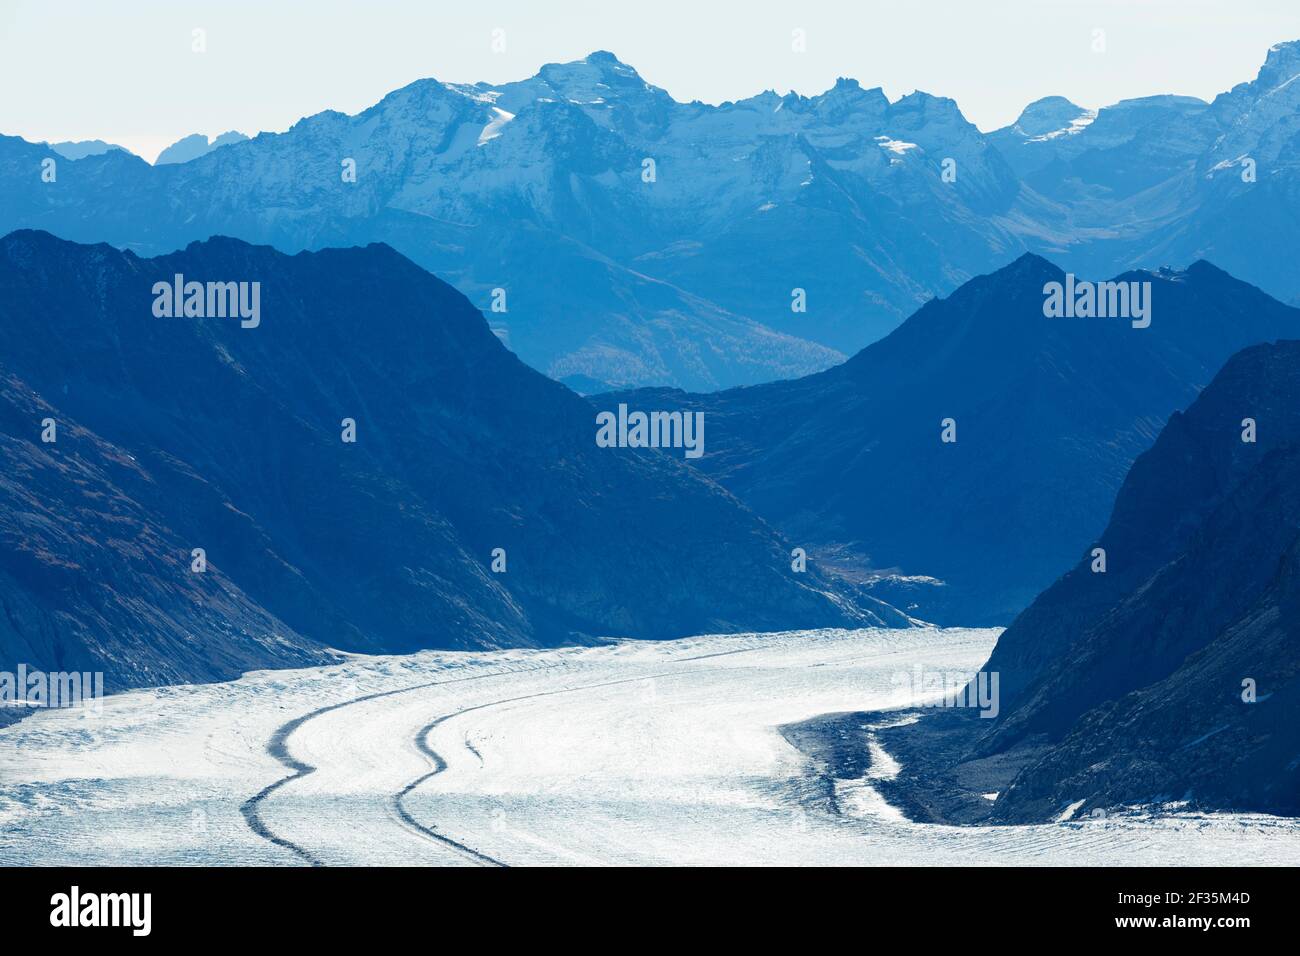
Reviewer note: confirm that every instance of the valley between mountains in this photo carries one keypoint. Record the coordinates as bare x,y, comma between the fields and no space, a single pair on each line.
372,572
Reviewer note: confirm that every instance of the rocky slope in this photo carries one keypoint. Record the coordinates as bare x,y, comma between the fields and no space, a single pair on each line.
183,433
1174,675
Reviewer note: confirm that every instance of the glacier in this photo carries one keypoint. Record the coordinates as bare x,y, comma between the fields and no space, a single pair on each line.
628,753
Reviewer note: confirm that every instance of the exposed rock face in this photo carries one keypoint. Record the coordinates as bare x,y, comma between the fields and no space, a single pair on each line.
1174,674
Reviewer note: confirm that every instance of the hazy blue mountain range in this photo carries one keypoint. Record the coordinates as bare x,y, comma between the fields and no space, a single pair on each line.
538,188
83,148
183,433
1175,674
196,145
1050,413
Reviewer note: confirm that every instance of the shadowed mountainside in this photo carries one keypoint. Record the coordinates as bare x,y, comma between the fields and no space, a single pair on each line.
1050,413
183,433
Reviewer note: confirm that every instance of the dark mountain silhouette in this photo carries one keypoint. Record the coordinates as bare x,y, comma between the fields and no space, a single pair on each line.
1137,677
1050,413
183,433
1171,678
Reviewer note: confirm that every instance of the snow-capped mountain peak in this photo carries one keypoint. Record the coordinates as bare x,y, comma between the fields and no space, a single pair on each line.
1281,66
1052,116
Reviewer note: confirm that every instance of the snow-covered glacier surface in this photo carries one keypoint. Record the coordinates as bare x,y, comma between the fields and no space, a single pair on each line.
632,753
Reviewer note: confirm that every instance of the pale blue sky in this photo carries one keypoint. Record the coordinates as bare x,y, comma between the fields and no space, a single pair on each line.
124,71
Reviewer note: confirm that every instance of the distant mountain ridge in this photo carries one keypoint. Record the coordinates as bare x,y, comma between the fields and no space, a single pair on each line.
84,148
196,145
642,241
1048,415
180,433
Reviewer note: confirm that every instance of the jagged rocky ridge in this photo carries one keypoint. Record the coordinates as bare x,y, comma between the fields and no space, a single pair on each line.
538,188
195,145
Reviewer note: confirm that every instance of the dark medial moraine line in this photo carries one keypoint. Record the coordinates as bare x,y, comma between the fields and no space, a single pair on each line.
439,764
278,748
